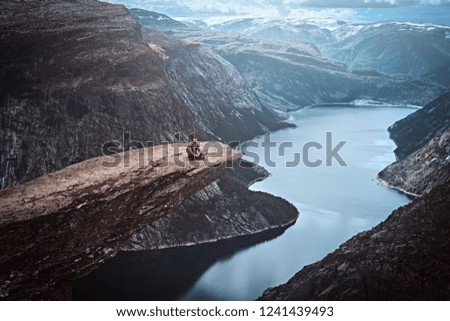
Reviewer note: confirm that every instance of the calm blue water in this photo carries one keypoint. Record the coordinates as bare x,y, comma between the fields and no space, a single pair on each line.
334,202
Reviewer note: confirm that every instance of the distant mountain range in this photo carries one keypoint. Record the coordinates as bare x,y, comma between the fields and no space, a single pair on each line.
154,20
418,50
288,73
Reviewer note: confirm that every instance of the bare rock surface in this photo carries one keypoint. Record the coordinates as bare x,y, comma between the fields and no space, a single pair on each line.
62,225
422,170
423,149
225,209
77,74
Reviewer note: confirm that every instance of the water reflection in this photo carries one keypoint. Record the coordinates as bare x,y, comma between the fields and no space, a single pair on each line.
161,275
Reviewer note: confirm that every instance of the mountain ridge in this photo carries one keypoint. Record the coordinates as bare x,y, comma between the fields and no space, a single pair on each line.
288,75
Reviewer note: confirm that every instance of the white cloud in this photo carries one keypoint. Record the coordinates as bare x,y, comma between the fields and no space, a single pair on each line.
269,8
368,3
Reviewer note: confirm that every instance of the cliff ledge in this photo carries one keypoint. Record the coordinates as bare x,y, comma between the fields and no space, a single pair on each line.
60,226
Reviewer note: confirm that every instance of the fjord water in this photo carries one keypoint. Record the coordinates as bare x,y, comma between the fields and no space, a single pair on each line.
335,202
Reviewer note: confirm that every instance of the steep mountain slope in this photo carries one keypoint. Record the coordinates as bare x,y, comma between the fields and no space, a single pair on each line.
423,149
417,50
223,104
416,130
406,257
79,74
423,169
222,210
288,73
293,75
75,75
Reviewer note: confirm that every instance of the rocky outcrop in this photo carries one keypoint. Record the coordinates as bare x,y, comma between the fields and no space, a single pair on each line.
223,104
422,170
416,130
406,257
74,75
62,225
222,210
423,149
77,74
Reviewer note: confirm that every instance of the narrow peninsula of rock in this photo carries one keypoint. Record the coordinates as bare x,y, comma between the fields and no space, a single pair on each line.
222,210
62,225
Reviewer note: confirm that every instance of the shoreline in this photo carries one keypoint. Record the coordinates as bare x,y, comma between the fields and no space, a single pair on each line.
399,189
283,226
220,239
365,103
356,103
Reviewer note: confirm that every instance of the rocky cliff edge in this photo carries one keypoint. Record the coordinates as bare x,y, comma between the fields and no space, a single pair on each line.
62,225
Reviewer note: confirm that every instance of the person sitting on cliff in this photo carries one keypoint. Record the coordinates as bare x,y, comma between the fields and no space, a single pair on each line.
194,151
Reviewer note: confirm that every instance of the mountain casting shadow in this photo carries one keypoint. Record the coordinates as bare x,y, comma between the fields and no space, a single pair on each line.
160,274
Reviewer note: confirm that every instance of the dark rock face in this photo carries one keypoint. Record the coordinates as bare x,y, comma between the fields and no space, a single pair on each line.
77,74
223,104
406,257
416,130
423,149
74,75
422,170
224,209
63,225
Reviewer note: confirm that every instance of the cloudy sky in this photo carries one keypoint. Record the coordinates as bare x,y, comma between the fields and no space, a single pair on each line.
433,11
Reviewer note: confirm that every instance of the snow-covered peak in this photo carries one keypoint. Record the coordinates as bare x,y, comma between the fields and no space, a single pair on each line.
411,25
